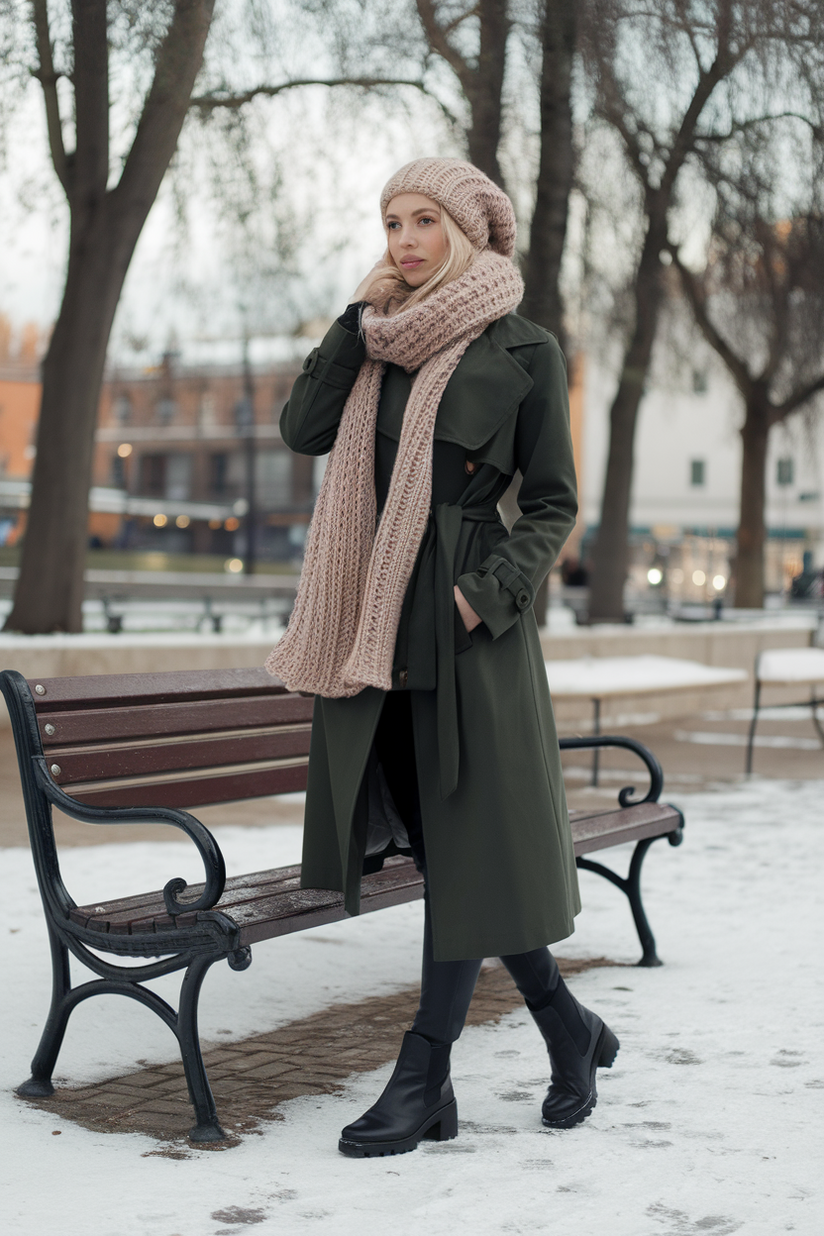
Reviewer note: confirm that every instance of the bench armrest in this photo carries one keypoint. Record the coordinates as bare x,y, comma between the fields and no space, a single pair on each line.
213,864
656,773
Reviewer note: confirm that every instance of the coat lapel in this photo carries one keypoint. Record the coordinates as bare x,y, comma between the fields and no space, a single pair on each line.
486,387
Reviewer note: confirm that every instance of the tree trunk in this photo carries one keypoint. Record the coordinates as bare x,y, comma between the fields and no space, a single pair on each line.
749,564
610,558
483,87
542,265
105,226
49,593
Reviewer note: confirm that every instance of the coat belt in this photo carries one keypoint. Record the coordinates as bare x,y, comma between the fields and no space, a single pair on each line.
448,520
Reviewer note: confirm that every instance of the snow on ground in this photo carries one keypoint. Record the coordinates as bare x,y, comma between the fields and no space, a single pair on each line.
710,1121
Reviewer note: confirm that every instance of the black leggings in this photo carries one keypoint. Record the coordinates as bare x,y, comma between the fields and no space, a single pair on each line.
446,986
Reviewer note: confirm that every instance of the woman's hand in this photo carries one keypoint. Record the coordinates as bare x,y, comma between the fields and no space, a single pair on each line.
362,290
470,619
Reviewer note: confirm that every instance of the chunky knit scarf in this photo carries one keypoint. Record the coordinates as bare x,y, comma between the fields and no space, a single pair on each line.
341,636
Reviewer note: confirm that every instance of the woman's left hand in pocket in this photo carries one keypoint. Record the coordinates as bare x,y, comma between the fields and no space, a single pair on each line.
470,619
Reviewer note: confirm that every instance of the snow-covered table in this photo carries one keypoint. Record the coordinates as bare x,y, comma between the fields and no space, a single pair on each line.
598,678
786,667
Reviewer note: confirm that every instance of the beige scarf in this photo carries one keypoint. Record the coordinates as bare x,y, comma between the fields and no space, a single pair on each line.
341,636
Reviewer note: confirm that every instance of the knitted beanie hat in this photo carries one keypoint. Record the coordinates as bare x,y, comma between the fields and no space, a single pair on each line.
478,206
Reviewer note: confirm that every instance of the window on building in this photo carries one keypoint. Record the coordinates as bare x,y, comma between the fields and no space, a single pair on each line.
122,408
153,475
207,410
218,472
785,472
165,410
178,476
698,472
273,478
118,472
700,381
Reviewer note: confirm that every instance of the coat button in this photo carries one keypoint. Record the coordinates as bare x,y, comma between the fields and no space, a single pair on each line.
522,600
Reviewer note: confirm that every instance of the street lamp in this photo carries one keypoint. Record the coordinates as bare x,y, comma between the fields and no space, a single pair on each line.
245,422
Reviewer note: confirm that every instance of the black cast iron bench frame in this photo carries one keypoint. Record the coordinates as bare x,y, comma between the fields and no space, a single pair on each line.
78,751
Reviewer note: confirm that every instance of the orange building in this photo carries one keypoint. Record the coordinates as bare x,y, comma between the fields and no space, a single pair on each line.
19,407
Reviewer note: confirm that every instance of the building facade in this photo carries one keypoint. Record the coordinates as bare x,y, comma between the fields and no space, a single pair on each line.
687,477
199,446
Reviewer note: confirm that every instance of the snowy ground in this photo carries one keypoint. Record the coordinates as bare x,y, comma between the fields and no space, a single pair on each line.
710,1121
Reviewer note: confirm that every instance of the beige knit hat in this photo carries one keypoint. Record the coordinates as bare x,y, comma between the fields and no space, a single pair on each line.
478,206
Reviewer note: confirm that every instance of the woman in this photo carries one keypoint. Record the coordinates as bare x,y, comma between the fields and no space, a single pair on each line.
413,626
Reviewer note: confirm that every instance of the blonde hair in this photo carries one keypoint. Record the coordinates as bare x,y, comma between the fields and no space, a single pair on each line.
389,292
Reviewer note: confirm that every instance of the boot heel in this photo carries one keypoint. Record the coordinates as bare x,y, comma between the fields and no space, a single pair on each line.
447,1126
608,1049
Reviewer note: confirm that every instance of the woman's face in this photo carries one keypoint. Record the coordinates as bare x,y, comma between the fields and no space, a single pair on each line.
415,236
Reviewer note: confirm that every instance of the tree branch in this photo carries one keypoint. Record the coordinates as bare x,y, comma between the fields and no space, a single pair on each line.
47,77
90,37
793,402
177,64
721,66
698,303
614,109
212,102
438,40
743,125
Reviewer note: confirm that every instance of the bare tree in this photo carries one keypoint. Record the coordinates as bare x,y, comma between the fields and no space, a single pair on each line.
105,223
106,219
759,303
557,33
713,66
481,75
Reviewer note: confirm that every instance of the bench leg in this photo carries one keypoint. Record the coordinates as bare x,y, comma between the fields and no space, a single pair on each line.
39,1085
631,886
753,723
649,957
208,1127
65,999
815,704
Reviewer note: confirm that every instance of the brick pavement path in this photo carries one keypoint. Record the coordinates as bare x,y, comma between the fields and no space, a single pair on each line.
251,1078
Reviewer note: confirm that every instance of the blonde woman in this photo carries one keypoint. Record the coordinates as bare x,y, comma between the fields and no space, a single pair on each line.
433,731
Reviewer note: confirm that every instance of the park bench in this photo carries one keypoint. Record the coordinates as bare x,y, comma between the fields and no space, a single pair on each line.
788,667
109,749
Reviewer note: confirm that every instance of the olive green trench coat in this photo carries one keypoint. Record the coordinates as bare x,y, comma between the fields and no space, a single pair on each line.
500,862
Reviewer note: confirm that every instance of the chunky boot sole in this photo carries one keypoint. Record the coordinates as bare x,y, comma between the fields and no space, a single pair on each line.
606,1049
442,1126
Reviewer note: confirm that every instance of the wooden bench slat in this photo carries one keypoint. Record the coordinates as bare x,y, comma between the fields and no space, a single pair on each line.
271,903
200,789
259,903
614,828
160,720
147,902
83,764
300,915
121,690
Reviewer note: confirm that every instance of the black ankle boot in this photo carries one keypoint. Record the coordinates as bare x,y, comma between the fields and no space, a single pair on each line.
418,1102
579,1042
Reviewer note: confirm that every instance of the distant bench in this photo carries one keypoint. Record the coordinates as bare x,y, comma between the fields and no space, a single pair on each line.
133,748
788,667
600,678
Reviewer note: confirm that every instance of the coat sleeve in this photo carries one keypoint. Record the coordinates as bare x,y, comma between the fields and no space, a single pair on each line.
309,421
504,585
